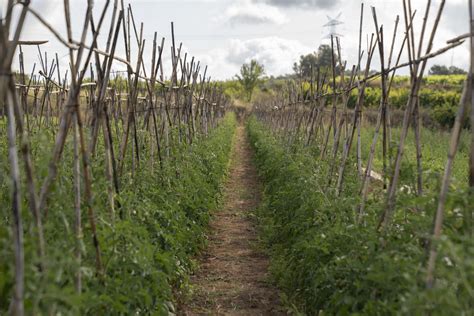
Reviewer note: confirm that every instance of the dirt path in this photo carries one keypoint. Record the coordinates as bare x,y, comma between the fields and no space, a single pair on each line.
232,279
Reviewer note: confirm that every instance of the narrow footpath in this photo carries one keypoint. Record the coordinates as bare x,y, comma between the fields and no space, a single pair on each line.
233,274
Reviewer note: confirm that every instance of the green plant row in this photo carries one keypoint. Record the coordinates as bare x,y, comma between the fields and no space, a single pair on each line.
326,263
439,103
429,98
146,250
439,97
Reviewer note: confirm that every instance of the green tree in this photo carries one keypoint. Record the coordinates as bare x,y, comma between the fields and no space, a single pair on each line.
453,70
250,75
443,70
325,56
439,70
308,63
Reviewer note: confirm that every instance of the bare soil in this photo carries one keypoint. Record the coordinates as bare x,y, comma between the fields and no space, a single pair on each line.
233,274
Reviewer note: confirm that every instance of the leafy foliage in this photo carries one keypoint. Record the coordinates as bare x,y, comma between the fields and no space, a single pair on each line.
444,70
308,63
328,264
146,254
249,77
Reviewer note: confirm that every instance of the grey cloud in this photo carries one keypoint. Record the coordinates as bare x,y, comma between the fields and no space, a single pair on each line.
249,12
244,18
322,4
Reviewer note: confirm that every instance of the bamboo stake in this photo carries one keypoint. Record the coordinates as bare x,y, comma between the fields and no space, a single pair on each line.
30,178
368,171
77,207
453,147
69,108
470,215
356,120
6,92
18,308
416,84
359,114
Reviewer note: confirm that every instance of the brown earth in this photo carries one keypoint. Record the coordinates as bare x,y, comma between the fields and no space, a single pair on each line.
233,274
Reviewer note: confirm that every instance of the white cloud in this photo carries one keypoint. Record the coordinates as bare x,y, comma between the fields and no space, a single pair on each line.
275,53
248,12
240,19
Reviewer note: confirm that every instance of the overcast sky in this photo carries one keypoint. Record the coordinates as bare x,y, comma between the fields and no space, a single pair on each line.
223,34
